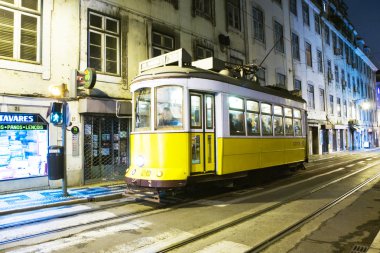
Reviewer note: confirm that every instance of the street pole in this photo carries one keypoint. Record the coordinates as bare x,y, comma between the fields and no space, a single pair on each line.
64,181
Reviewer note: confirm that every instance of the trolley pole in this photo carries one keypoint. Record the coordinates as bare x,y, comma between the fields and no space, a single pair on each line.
64,181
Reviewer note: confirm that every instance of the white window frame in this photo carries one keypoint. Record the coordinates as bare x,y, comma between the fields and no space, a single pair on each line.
204,50
235,13
104,34
18,10
161,47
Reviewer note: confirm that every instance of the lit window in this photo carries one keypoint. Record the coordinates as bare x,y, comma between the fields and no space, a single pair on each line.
236,116
266,119
253,118
278,120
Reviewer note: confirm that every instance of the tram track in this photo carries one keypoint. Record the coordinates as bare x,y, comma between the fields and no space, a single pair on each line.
288,230
135,215
282,233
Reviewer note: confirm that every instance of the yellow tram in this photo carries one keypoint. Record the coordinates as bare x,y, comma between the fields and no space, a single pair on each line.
192,124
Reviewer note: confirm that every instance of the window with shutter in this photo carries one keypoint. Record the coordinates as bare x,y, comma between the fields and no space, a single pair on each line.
20,30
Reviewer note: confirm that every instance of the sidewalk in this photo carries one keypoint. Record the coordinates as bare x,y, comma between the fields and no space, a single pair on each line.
32,200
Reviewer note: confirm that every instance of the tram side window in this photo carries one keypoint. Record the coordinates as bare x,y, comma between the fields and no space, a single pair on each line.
253,118
289,131
236,116
278,120
169,107
297,123
266,119
142,108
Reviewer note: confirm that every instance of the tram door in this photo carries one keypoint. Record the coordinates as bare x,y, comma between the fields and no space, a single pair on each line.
202,127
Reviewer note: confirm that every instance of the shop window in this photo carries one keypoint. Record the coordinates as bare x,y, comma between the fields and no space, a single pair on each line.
106,148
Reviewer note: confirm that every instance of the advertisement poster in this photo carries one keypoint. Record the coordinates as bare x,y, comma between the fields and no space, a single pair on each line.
23,146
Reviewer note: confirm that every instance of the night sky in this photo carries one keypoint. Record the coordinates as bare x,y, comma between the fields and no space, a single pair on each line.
365,17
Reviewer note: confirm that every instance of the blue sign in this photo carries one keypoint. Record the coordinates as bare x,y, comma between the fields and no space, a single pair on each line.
23,118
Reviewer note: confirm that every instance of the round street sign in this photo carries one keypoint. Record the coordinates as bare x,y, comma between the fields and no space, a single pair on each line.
75,130
89,78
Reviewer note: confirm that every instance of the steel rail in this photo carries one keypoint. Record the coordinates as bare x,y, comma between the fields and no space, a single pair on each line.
268,242
250,216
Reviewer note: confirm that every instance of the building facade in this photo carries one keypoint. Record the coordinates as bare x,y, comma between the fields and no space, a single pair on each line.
294,45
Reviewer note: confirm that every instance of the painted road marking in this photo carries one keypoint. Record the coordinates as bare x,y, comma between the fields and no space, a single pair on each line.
83,238
225,247
16,232
209,202
348,166
37,215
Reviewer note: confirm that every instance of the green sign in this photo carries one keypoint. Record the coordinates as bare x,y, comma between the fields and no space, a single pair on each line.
75,130
89,78
23,127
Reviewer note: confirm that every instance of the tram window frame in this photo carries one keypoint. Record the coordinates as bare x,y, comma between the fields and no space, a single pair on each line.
209,110
264,115
193,115
253,114
239,112
278,115
289,128
137,94
297,117
169,124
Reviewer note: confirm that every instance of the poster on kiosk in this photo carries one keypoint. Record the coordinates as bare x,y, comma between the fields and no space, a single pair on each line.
23,145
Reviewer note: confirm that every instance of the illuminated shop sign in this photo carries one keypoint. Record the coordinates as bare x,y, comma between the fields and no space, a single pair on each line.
23,145
12,118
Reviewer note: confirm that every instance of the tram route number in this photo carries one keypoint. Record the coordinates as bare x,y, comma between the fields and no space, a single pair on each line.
298,143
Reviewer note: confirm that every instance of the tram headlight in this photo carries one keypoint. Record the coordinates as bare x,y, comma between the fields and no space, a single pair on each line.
159,173
140,161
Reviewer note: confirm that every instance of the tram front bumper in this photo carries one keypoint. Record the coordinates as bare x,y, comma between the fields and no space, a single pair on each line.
155,183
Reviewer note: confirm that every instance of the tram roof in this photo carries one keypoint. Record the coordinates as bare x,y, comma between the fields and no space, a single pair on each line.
193,72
